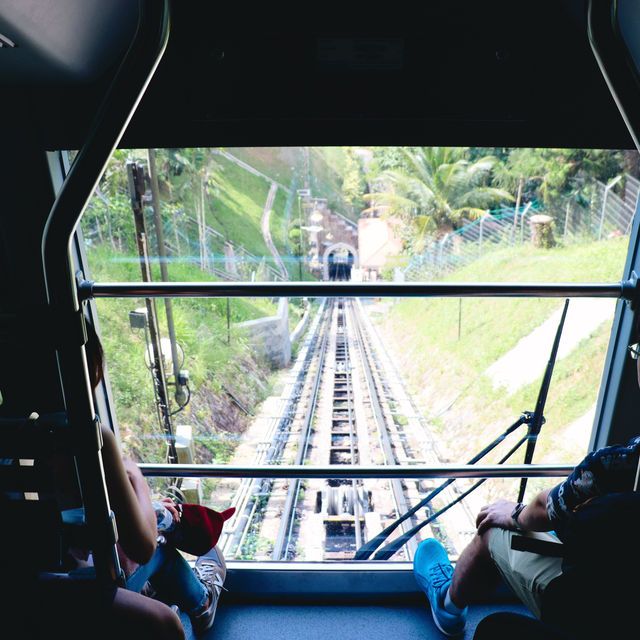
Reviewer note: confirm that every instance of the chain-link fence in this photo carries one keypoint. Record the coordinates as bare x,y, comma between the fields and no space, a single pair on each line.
595,211
207,248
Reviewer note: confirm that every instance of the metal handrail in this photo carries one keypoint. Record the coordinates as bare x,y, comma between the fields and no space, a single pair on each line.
625,289
355,471
615,61
65,319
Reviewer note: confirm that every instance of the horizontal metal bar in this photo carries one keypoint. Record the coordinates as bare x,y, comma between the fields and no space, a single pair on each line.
355,471
624,289
333,567
349,581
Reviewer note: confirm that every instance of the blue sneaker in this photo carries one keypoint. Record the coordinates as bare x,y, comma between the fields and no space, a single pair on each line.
433,571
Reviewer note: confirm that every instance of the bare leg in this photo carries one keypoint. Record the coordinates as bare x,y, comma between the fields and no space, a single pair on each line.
475,573
138,617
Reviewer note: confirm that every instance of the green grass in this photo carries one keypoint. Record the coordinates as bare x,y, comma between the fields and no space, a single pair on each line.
586,262
477,331
215,356
277,222
444,348
327,168
279,163
234,198
237,207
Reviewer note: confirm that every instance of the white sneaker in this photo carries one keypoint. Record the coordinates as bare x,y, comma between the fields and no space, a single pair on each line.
211,570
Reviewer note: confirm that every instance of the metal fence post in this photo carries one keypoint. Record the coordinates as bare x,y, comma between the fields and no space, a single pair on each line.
442,243
604,203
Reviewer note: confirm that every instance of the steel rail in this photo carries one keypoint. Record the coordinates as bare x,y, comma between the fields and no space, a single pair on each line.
285,531
367,356
343,406
246,504
356,471
625,289
410,543
357,507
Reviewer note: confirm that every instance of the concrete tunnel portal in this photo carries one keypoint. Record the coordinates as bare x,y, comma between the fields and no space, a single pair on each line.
338,260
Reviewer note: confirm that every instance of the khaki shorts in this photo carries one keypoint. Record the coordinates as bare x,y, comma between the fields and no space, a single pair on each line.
528,574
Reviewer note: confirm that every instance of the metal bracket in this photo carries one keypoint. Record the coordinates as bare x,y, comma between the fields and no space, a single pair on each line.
112,528
98,431
526,417
630,291
84,287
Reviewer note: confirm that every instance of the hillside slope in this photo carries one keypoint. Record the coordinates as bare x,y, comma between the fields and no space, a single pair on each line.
445,348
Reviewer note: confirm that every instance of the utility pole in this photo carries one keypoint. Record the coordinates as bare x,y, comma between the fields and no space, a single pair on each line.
180,395
299,239
137,190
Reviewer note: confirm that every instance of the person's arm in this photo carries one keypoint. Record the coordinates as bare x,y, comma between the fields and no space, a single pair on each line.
534,517
130,500
143,494
606,470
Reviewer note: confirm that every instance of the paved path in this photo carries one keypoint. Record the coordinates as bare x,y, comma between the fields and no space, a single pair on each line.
527,360
266,233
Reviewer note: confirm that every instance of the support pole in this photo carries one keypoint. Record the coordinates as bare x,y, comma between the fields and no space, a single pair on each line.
162,254
107,128
137,190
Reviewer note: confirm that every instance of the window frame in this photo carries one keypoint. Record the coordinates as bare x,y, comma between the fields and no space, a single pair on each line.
612,389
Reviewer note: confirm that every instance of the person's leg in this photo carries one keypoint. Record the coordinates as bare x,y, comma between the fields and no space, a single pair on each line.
488,558
474,575
136,617
433,572
211,569
475,572
76,607
508,626
528,574
143,572
174,580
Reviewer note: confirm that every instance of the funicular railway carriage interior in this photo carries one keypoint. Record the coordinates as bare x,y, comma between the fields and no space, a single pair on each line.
99,99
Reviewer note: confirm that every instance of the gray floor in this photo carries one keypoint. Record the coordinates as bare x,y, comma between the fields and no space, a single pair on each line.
290,621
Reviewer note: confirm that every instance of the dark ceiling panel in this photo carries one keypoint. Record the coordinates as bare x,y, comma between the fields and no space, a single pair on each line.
65,42
450,72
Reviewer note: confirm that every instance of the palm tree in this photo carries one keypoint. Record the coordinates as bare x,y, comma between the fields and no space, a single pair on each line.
437,190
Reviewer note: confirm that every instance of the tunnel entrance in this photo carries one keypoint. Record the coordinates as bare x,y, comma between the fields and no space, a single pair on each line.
338,260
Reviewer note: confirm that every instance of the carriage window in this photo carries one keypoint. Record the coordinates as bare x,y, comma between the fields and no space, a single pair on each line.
369,381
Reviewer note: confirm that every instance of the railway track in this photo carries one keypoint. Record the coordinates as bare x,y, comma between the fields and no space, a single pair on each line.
344,404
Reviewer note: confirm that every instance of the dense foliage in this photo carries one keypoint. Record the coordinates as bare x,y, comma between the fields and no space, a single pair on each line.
436,190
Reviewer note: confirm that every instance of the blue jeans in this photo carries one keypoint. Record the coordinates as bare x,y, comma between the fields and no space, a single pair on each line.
173,578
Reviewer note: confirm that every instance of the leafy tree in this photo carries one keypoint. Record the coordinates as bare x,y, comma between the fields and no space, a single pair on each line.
354,184
437,190
549,174
387,158
108,218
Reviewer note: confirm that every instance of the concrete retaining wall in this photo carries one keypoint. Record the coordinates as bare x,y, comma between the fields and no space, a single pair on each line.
270,335
302,325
